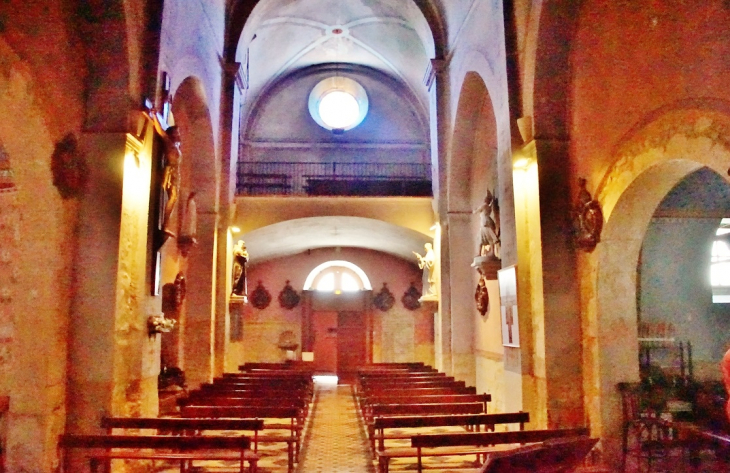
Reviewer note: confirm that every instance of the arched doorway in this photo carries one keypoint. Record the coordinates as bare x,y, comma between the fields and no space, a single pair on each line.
337,321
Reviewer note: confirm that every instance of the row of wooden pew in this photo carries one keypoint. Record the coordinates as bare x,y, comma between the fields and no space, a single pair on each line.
264,403
393,397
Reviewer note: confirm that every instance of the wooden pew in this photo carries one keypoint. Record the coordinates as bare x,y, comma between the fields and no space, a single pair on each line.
561,454
183,426
381,410
468,421
184,449
293,414
468,443
398,384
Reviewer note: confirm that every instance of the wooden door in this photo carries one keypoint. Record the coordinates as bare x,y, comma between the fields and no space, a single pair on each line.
324,324
351,343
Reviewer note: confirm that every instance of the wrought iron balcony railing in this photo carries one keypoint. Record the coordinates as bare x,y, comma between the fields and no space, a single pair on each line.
343,179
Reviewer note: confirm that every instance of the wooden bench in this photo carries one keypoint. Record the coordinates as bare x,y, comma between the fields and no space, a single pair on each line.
183,426
467,443
561,454
468,421
295,425
405,391
286,365
184,449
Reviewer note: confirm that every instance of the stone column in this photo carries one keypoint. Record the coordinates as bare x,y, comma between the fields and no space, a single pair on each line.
440,120
462,285
228,151
91,340
562,319
200,319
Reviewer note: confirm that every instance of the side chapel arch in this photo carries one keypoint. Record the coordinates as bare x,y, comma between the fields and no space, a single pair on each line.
472,171
649,164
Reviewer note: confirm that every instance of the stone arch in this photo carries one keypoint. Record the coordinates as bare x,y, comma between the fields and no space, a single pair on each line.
474,145
649,164
190,348
471,170
200,167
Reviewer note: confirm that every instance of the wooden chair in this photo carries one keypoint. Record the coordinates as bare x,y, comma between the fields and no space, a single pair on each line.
646,437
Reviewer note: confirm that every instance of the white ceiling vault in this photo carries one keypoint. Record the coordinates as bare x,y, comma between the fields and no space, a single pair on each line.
282,37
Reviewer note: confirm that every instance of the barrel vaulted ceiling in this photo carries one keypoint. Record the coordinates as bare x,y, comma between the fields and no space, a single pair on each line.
281,37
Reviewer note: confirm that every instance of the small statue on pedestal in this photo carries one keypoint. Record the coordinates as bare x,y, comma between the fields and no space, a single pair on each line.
240,258
489,232
427,263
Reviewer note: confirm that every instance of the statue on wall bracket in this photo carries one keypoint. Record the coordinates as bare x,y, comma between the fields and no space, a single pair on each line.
587,220
488,262
427,263
489,232
239,291
168,178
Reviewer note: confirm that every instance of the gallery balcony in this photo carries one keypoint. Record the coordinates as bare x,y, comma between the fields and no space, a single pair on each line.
381,179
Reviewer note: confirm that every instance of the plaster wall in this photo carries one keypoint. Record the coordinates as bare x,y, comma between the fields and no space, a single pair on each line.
632,60
398,334
282,117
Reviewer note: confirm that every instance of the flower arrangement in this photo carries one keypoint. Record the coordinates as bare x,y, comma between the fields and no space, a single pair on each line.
159,324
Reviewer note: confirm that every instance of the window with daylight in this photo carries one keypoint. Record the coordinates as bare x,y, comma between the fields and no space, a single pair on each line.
338,104
720,265
337,277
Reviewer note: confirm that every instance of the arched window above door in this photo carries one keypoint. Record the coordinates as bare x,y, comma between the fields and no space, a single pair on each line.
337,276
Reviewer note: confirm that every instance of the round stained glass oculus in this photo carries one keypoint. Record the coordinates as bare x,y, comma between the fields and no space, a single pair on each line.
338,104
338,109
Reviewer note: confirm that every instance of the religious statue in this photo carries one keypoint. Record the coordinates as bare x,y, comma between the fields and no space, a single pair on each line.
171,173
587,219
427,264
240,258
189,228
489,231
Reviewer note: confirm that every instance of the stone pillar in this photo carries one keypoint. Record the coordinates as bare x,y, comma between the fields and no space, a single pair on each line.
562,316
91,339
200,320
462,284
440,120
228,151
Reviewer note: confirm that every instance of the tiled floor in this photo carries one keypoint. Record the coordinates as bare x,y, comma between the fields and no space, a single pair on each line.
334,440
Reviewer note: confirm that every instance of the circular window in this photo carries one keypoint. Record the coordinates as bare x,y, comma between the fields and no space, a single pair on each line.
338,104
